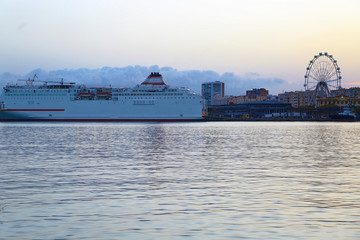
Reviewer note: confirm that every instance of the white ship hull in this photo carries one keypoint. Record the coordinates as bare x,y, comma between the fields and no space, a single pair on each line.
109,111
65,103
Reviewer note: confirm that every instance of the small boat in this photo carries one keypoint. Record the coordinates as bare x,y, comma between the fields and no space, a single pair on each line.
347,115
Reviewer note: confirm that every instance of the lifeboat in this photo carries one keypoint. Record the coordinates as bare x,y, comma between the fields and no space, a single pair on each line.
86,94
103,94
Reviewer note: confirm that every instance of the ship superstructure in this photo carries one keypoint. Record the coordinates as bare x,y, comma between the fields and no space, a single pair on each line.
152,100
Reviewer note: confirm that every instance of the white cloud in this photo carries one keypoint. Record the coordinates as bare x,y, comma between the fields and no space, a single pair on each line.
131,75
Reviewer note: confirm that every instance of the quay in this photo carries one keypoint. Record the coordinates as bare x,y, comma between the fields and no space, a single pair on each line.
269,111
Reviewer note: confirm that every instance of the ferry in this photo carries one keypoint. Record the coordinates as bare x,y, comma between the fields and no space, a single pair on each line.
152,100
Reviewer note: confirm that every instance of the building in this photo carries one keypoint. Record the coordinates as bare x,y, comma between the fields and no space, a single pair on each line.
339,101
254,95
296,99
338,98
218,100
222,100
257,92
211,89
351,92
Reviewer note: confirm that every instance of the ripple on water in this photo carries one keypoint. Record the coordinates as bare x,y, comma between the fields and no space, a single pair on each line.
179,180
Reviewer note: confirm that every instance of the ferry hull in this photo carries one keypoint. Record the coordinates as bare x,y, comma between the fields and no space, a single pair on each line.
86,113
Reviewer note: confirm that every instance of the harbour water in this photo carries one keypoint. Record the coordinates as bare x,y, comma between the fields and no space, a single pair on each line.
204,180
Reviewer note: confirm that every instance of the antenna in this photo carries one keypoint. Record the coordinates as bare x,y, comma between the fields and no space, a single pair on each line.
30,81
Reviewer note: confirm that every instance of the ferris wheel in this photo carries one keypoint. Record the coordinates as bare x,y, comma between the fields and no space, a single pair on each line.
322,76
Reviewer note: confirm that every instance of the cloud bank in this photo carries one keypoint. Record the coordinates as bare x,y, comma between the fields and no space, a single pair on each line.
131,75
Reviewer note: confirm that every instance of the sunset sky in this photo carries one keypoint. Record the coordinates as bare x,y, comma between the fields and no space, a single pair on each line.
271,38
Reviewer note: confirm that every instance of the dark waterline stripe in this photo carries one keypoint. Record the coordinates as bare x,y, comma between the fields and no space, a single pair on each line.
35,110
101,120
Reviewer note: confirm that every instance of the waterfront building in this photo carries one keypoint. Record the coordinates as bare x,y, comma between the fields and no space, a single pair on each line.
273,98
341,98
339,101
351,92
254,95
211,89
296,99
257,92
223,100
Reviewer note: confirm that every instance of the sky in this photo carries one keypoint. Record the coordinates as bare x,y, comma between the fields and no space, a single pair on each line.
269,41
